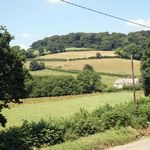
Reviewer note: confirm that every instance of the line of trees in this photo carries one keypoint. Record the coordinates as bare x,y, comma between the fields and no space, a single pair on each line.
134,42
88,81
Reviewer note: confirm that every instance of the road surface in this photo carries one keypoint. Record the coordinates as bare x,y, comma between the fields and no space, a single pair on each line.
143,144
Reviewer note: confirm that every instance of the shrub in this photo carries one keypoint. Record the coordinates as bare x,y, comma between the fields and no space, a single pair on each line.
69,135
110,89
44,133
88,67
101,110
34,65
114,118
14,138
139,122
41,65
130,87
31,134
98,55
90,81
83,124
57,91
84,127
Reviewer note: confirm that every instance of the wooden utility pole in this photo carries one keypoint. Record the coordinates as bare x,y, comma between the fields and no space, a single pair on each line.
133,81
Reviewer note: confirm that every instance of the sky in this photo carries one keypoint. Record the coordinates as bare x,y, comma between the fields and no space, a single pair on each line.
32,20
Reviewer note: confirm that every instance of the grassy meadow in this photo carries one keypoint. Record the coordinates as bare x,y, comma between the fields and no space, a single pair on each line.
48,72
34,109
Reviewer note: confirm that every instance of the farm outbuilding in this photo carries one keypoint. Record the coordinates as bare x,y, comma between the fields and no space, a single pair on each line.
120,83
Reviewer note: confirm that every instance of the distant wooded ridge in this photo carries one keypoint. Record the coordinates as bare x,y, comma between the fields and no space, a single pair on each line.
133,42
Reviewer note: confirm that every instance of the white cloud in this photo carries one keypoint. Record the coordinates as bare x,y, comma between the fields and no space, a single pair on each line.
25,35
54,1
140,21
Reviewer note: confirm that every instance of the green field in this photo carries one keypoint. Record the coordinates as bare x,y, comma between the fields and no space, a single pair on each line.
57,107
48,72
108,80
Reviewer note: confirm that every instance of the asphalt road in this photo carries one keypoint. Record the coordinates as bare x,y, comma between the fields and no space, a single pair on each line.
143,144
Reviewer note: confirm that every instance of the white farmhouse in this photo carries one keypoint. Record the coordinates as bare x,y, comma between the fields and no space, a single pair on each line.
120,83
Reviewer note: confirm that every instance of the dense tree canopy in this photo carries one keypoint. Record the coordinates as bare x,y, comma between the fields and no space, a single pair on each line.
34,65
53,86
103,41
145,71
134,41
88,67
89,79
128,50
21,52
12,74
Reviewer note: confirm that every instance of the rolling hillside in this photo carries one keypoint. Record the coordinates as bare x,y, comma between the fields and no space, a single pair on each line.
114,65
77,54
104,65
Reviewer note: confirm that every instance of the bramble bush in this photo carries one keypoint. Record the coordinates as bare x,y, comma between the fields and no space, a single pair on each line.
83,124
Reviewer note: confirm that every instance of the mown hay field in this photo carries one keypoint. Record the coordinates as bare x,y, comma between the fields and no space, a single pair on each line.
34,109
111,65
78,54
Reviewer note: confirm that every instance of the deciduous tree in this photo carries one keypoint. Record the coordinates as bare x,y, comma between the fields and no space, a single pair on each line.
145,72
12,73
90,80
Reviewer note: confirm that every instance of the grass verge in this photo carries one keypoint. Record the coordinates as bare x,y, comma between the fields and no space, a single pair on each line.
99,141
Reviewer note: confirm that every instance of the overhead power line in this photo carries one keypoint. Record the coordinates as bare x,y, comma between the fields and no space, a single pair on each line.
108,15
